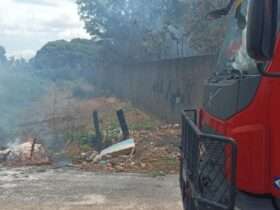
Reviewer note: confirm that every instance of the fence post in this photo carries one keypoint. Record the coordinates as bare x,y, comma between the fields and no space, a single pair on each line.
123,124
98,134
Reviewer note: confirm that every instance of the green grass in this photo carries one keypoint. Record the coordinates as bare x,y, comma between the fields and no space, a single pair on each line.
82,137
148,124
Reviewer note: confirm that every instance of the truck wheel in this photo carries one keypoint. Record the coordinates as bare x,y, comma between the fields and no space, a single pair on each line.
182,183
276,203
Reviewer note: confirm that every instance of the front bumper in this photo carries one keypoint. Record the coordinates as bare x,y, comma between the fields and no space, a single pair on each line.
208,168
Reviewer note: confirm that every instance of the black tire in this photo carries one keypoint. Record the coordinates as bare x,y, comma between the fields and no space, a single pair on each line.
182,184
276,203
188,202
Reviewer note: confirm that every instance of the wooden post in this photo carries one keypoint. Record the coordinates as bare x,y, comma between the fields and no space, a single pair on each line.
98,137
123,124
34,141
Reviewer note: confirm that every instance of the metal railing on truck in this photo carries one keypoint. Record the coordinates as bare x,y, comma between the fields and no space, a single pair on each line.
208,168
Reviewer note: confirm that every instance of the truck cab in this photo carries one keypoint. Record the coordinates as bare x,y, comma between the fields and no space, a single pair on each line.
239,115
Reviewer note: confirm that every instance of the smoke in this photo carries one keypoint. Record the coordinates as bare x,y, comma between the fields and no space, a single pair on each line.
18,91
12,145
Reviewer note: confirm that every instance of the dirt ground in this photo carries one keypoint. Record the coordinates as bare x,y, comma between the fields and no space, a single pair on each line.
49,188
68,189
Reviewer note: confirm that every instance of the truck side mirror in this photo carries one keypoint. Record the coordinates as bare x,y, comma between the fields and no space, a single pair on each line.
262,29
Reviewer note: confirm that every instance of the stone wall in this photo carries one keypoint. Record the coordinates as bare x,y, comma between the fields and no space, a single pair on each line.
163,88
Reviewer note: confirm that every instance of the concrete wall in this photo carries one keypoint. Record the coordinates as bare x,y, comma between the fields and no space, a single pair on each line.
163,88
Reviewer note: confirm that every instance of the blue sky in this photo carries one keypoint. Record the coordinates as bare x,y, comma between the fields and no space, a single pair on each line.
26,25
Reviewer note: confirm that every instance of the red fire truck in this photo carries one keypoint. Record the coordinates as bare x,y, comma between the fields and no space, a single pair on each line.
232,143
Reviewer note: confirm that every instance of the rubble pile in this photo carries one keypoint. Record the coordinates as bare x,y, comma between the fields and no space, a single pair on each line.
27,153
152,151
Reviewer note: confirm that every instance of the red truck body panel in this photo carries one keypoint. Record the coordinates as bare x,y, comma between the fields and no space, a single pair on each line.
256,130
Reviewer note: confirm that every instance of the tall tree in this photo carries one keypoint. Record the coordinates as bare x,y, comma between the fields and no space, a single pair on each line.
145,29
136,29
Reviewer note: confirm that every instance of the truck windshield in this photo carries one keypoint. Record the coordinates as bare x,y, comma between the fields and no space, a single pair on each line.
233,54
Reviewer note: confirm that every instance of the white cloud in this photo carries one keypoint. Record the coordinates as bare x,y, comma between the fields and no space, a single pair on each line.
26,25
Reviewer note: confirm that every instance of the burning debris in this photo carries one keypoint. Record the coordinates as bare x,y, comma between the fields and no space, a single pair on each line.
29,152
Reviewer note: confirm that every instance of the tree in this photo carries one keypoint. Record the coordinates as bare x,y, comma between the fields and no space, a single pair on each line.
65,60
137,29
145,29
205,36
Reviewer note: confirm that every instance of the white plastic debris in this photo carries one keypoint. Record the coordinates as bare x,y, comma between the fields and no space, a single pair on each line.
123,148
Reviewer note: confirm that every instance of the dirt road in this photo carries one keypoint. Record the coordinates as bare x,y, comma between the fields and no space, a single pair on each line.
69,189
